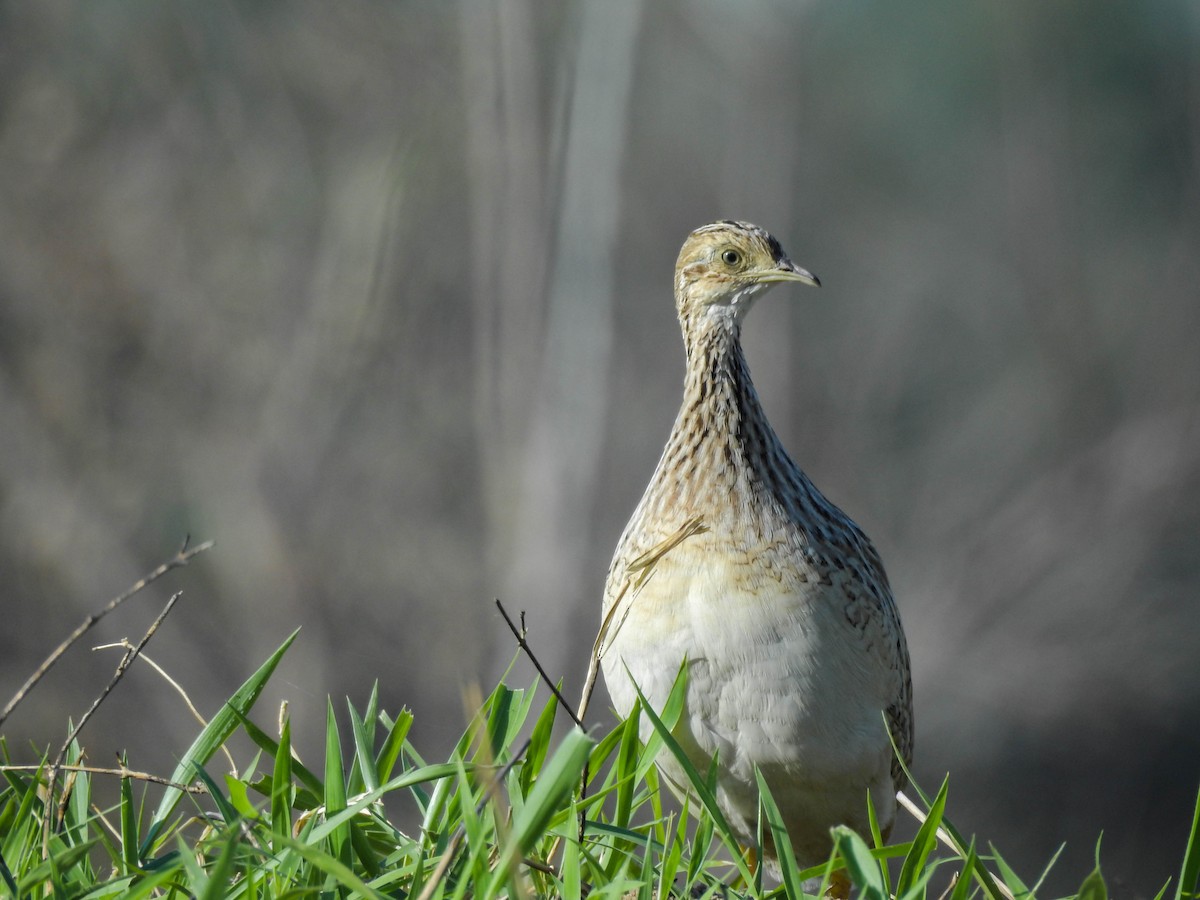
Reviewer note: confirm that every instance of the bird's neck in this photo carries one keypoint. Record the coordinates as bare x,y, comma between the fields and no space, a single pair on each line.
720,405
723,462
721,430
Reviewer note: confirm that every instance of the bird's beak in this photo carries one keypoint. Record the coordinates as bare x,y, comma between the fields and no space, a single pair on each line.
787,270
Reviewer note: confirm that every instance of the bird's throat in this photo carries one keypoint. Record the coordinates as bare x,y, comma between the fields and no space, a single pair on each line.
721,429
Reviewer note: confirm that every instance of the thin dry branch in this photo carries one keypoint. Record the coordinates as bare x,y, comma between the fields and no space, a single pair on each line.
122,667
519,634
126,661
122,771
637,574
562,701
945,837
182,557
144,657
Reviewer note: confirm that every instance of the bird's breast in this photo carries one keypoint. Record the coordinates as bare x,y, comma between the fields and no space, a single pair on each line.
772,663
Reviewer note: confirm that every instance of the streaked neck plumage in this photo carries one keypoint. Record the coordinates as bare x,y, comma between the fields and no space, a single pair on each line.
721,432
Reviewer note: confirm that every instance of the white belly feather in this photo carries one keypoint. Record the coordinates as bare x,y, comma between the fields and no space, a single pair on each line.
777,679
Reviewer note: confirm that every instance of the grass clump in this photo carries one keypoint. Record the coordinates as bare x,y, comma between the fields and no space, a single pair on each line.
519,809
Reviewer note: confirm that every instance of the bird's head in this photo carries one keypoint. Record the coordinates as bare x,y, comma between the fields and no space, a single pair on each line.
723,267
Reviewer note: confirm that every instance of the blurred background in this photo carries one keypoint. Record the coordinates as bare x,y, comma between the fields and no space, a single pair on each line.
378,297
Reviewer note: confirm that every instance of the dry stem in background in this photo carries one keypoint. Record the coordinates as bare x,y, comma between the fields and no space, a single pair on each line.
181,558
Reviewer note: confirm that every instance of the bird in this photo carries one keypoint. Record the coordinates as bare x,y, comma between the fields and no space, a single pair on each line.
736,568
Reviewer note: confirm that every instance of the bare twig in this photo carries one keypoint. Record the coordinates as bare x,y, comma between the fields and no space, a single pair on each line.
519,633
103,820
181,558
593,671
121,771
945,837
562,701
637,574
950,887
144,657
540,866
126,661
919,814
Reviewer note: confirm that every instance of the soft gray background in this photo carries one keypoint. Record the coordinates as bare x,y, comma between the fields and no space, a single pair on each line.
377,296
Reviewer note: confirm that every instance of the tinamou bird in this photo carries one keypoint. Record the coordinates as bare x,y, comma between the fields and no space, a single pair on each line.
796,662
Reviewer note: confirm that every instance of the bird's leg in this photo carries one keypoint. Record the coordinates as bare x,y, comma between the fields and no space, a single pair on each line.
750,855
839,885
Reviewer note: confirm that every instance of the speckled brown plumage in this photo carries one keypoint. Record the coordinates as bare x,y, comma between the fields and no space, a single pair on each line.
735,561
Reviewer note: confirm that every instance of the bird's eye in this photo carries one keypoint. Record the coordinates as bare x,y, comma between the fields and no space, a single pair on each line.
731,257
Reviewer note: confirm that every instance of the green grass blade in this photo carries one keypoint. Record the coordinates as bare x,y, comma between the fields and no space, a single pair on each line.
539,743
311,783
438,772
7,876
503,719
335,785
436,807
363,849
783,844
557,782
877,837
393,745
980,872
47,872
1011,879
281,783
473,826
26,832
239,797
364,743
1037,885
668,717
572,880
697,783
334,868
218,876
129,829
210,739
139,887
962,887
606,747
194,878
701,841
646,876
1093,887
626,765
370,715
1189,874
75,823
923,843
673,857
863,869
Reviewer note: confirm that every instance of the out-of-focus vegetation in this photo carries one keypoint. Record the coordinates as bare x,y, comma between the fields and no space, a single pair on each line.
378,296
